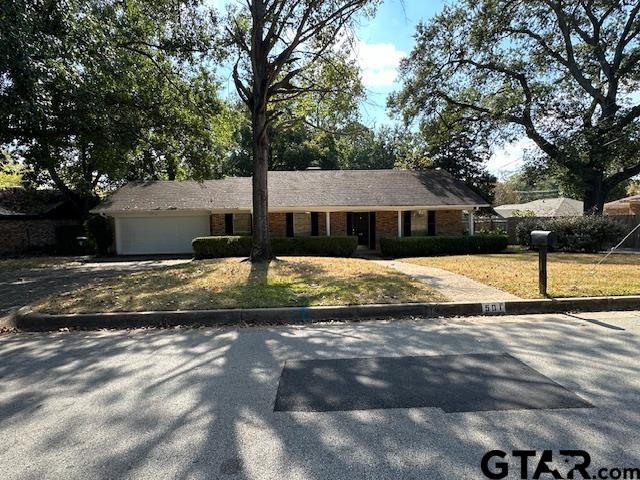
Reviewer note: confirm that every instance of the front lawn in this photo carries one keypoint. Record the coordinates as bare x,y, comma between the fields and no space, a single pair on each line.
569,273
231,283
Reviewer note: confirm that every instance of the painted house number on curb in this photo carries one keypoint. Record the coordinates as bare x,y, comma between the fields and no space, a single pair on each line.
493,307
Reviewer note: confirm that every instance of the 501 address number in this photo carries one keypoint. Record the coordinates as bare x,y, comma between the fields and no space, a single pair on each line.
493,307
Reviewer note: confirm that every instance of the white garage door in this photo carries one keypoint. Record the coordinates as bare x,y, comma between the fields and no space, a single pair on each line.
162,234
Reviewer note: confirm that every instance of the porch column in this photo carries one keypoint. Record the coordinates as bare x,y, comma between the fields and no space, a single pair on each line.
399,223
328,219
471,223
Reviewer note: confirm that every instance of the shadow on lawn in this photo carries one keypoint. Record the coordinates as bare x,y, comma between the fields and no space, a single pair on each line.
199,404
218,284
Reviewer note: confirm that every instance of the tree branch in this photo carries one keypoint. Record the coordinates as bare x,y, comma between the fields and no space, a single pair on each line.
623,175
572,64
626,37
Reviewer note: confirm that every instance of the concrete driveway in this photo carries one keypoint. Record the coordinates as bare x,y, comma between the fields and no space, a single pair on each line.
159,404
22,287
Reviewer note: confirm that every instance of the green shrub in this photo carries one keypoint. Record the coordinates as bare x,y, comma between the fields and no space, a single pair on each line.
233,246
100,233
325,246
494,231
575,234
525,227
219,247
432,246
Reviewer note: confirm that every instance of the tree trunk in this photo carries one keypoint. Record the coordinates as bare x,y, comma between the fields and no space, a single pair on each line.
595,194
261,245
261,248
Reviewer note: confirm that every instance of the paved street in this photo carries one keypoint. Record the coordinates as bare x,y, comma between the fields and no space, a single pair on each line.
156,404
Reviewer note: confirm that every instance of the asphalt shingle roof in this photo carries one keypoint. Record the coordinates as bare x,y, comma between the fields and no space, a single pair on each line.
299,189
546,207
625,200
19,201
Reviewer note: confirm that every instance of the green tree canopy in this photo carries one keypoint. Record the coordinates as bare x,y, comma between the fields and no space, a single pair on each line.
561,73
97,92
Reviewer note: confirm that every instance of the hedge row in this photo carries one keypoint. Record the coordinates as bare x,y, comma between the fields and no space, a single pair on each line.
575,234
219,247
325,246
234,246
432,246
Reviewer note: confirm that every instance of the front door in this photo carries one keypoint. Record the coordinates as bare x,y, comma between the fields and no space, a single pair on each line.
360,227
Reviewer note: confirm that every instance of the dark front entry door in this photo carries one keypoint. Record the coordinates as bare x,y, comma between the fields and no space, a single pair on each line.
360,227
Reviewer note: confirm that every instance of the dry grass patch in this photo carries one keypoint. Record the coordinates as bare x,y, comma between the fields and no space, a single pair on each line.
232,283
517,273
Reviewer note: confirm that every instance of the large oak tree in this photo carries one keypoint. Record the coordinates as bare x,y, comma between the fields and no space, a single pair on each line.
278,44
97,92
564,73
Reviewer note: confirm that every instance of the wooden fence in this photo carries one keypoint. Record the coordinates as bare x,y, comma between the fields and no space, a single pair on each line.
630,222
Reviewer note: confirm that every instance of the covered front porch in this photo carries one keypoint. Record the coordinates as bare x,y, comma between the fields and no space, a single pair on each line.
369,225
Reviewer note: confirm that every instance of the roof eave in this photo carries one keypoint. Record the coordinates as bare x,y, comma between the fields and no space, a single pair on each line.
281,209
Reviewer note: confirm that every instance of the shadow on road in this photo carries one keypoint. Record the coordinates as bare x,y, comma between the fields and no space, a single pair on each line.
199,403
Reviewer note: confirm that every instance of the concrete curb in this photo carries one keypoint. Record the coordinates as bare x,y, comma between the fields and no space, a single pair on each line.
27,320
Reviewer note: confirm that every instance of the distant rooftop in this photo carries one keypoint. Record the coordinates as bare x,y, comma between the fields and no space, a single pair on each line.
631,199
546,207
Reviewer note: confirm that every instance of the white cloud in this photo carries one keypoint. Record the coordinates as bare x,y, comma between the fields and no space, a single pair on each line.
509,157
379,63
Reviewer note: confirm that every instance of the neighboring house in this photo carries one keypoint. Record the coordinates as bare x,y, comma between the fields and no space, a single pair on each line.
624,206
163,217
34,219
546,207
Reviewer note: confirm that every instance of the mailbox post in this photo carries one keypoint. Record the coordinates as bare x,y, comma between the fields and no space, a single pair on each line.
542,240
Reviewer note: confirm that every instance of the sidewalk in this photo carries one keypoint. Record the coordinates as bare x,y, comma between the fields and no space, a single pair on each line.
456,288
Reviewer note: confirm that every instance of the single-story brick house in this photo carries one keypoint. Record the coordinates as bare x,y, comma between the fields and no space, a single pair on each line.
164,216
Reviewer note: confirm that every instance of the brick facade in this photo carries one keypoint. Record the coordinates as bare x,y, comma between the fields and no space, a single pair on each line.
338,224
386,224
449,222
216,223
278,224
24,235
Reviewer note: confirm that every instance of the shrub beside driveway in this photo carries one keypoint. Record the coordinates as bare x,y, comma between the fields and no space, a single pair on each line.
232,283
570,274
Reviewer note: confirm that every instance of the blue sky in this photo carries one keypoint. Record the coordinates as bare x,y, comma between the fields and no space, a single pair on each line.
383,41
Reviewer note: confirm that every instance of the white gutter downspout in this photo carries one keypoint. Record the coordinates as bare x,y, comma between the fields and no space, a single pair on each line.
399,223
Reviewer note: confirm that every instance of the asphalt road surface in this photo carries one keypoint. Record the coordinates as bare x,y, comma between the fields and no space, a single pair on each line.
163,404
